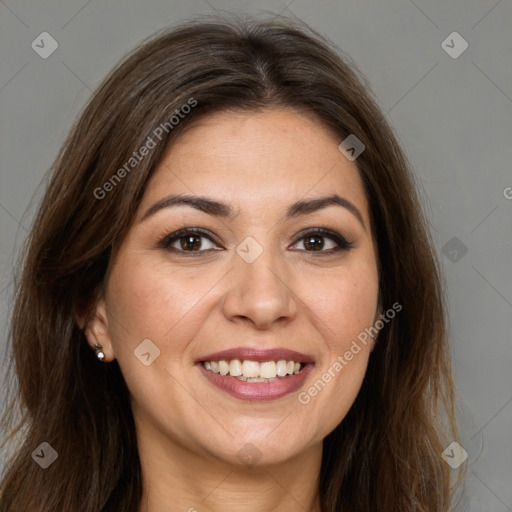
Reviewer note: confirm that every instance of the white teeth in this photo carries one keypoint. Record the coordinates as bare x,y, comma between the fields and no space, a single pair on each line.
235,368
281,368
253,371
223,367
268,370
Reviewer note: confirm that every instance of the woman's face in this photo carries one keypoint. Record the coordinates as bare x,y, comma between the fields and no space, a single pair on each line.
259,279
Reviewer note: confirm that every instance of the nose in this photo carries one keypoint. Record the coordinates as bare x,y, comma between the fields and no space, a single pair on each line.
260,293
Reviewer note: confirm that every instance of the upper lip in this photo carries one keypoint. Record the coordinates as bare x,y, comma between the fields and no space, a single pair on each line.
257,354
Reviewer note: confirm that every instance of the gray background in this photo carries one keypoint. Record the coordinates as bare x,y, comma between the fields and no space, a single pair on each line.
453,117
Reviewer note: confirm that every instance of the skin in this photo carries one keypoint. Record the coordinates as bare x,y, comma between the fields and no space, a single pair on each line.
190,432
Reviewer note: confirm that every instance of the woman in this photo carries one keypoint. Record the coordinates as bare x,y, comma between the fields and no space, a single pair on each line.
229,298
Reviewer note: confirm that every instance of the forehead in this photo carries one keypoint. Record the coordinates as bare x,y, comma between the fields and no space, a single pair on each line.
250,159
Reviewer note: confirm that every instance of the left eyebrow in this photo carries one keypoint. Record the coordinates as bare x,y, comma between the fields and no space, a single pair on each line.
313,205
218,209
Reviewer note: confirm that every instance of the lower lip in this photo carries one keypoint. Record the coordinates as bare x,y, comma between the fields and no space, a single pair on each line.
257,391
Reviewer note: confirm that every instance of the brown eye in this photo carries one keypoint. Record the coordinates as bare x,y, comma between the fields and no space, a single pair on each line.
188,240
315,241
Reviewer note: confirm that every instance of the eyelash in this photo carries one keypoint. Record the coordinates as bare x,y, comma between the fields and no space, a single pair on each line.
342,243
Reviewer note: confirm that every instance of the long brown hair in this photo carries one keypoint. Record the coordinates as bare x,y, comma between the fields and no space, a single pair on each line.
386,453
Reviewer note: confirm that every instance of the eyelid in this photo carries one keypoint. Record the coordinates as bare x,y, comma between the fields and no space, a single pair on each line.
342,243
176,235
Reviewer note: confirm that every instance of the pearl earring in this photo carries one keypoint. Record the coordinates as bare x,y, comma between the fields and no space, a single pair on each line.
98,350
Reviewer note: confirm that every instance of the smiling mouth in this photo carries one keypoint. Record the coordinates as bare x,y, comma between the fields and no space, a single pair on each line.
256,374
254,371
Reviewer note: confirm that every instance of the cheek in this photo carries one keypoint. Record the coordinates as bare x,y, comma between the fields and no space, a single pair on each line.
345,303
147,300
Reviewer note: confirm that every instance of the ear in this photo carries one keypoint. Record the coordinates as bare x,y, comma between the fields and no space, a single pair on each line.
96,329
